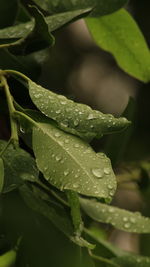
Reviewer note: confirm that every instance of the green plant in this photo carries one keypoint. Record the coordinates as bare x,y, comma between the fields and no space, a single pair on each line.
54,186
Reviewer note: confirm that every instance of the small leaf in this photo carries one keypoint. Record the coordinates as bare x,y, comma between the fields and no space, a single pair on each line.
124,40
78,119
39,37
1,175
132,260
19,166
16,32
121,219
67,162
99,7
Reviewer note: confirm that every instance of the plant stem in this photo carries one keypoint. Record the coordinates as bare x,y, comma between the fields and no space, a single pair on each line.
101,259
75,211
25,116
16,73
14,128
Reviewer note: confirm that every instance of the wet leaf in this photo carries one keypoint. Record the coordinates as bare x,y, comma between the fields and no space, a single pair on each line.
72,117
67,162
121,219
39,37
124,40
54,22
99,7
1,175
19,166
132,260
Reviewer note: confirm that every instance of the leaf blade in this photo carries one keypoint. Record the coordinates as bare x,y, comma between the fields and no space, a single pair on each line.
119,218
67,162
124,41
72,117
19,166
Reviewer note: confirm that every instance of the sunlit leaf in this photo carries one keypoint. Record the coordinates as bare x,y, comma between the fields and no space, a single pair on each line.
121,219
99,7
119,34
19,166
1,175
73,117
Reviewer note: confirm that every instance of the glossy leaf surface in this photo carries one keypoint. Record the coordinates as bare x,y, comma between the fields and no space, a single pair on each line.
119,34
121,219
19,166
54,22
67,162
99,7
73,117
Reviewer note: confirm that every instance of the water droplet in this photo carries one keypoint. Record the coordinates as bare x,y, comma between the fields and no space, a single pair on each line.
75,185
111,210
127,225
98,173
58,158
57,134
76,145
110,186
58,111
91,116
66,172
125,219
63,102
76,122
22,130
133,220
106,171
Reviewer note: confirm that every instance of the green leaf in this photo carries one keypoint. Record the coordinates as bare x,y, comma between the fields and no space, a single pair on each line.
72,117
67,162
1,175
56,214
119,34
16,32
73,200
19,166
132,260
121,219
99,7
8,12
39,37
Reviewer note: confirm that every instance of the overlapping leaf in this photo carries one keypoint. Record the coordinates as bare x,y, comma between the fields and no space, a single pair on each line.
72,117
18,165
38,38
122,219
14,33
132,260
55,213
119,34
1,175
67,162
99,7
